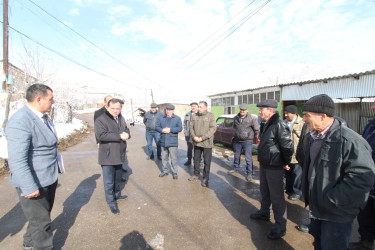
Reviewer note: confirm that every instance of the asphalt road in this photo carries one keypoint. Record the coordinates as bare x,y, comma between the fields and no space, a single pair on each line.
160,213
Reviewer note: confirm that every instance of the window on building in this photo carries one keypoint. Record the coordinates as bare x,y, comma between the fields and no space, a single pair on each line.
239,99
232,100
244,98
277,96
229,110
250,99
271,95
263,96
256,98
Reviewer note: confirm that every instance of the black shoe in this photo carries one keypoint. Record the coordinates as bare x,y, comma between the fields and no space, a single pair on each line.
187,163
249,177
233,171
303,228
159,158
260,216
115,210
294,197
193,178
27,247
276,233
163,174
175,177
122,197
124,170
123,179
205,182
362,244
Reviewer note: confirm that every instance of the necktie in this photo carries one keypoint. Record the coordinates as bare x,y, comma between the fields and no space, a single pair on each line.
45,119
116,119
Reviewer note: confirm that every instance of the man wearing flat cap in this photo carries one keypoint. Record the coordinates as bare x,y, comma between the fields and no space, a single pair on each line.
189,140
246,131
338,174
275,150
169,125
150,118
293,171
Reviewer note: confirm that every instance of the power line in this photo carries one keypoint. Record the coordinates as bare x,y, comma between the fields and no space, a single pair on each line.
96,46
71,60
240,23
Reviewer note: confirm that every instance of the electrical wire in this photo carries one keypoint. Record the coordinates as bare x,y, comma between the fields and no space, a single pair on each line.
71,60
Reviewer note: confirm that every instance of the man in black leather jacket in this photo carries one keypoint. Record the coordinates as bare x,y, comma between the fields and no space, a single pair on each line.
275,150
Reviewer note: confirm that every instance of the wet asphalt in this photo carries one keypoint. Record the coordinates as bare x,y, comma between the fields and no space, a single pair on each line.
160,213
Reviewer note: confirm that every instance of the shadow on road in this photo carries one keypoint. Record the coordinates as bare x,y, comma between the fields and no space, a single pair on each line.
12,222
240,208
134,240
72,205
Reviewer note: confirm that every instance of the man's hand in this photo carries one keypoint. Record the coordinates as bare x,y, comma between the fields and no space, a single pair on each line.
124,136
33,194
286,167
198,139
166,130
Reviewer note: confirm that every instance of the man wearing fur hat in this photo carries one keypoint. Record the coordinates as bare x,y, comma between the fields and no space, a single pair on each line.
293,171
275,150
338,174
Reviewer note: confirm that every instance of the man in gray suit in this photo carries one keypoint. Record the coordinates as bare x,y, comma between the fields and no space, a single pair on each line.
32,153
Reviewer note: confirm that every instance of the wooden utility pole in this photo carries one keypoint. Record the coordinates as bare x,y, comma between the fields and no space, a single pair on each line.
5,42
5,61
152,96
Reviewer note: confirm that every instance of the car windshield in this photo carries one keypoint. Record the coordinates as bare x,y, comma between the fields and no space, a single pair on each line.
219,122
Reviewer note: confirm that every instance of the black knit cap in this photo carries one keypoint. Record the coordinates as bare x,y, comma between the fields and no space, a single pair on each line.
320,104
291,109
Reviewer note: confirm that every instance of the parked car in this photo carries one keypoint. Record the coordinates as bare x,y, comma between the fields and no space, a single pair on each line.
224,129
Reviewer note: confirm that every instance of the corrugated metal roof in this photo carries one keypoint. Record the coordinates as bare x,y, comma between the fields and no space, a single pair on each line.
348,86
368,77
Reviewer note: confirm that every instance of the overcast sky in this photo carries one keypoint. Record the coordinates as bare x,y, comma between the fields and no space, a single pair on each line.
187,49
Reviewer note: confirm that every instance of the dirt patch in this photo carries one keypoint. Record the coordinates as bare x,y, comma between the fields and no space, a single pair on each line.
74,138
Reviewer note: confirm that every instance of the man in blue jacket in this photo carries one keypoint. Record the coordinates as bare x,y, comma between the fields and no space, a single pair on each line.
32,157
169,126
150,119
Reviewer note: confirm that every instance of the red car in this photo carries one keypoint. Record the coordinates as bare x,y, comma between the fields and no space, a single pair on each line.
224,130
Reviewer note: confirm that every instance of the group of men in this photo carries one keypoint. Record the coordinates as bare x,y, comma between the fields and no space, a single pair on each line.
338,169
199,128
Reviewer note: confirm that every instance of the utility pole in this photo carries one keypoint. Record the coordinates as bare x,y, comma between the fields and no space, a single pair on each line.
5,42
152,96
5,61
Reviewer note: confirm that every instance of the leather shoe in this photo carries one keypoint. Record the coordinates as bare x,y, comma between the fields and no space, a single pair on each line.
187,163
276,233
122,197
260,216
114,210
205,182
193,178
123,179
175,177
294,197
27,247
249,177
303,228
163,174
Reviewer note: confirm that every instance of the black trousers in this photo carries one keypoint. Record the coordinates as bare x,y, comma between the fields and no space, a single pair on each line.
38,212
190,147
207,156
366,220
